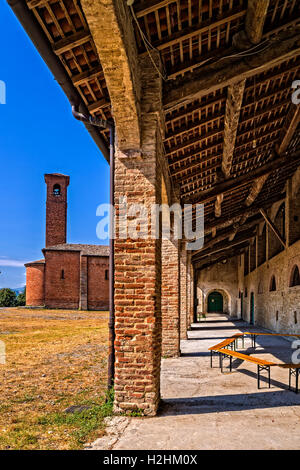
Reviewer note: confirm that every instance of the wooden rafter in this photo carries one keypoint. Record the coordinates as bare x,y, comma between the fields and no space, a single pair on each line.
273,227
255,19
232,117
227,71
245,179
255,189
71,42
292,121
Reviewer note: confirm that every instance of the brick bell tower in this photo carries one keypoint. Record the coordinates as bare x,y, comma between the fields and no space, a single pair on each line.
56,208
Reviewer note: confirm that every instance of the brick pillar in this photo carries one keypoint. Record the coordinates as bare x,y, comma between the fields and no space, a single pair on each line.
190,311
170,298
183,291
83,304
138,264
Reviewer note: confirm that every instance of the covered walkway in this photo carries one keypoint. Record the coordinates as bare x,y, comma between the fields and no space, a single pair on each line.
204,409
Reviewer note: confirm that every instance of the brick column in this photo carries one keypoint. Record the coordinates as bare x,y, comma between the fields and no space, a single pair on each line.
138,264
83,304
183,291
170,298
189,291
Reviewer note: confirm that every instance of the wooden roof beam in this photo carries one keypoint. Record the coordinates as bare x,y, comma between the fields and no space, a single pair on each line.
218,205
289,128
255,19
255,189
273,228
215,240
110,23
151,6
234,183
225,246
66,44
232,117
224,72
232,254
84,77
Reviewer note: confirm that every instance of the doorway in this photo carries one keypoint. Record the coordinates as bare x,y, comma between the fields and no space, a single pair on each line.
215,302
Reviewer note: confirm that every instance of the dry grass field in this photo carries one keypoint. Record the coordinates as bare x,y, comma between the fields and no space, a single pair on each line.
54,359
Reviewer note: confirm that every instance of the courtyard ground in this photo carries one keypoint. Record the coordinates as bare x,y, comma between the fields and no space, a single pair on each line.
205,409
54,359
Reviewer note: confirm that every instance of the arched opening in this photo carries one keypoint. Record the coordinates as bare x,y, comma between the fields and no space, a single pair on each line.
295,277
272,284
215,302
56,190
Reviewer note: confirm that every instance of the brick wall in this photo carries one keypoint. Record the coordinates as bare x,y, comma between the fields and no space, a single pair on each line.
98,285
35,284
59,292
285,300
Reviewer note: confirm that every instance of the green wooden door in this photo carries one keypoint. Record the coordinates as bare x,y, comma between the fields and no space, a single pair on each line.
215,302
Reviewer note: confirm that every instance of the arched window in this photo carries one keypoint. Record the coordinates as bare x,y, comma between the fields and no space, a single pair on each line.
295,277
62,274
56,190
106,274
272,284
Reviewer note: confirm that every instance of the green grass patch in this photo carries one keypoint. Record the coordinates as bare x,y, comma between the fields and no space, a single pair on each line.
82,423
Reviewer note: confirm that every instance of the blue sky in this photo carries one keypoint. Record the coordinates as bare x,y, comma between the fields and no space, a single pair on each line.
38,135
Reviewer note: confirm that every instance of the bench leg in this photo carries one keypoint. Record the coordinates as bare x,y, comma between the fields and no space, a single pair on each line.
297,377
259,369
230,364
290,375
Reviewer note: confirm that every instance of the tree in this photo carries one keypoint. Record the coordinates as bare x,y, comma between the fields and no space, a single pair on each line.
21,298
8,298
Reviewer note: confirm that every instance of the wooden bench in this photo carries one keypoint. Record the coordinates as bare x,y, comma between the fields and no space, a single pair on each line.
221,350
294,370
261,363
215,349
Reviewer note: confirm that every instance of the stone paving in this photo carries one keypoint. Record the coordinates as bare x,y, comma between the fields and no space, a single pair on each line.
205,409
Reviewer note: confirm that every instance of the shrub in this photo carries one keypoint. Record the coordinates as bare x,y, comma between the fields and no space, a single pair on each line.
8,298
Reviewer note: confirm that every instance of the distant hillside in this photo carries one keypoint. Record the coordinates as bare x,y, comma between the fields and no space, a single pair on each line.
19,290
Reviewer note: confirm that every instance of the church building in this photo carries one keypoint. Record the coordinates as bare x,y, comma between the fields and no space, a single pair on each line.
72,276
